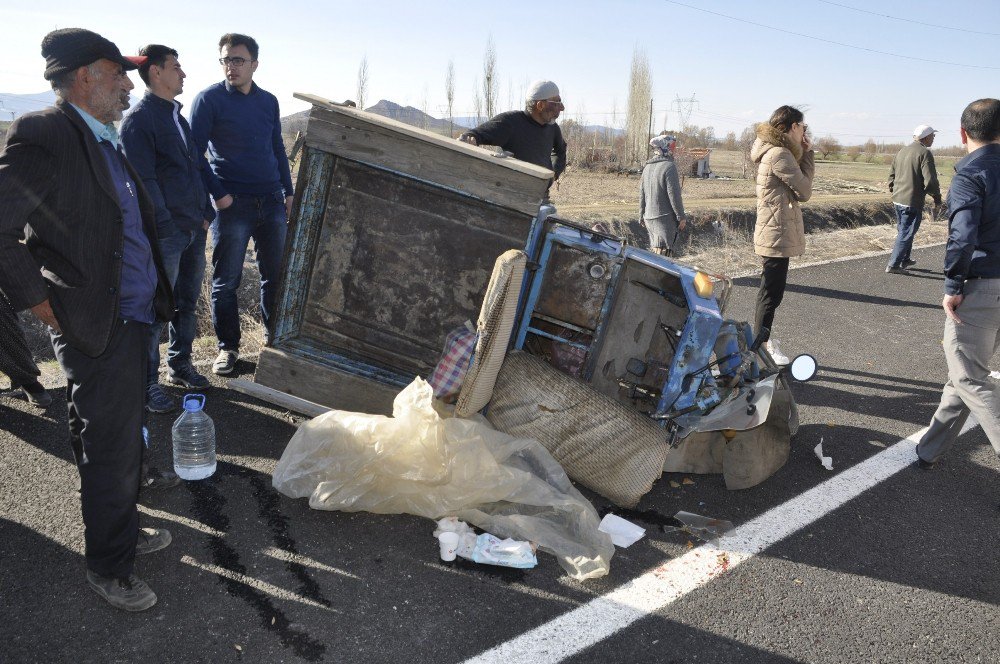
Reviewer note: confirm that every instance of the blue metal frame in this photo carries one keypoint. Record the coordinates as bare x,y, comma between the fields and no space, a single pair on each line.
694,346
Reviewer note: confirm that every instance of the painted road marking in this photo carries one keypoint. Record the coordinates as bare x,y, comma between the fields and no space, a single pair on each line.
601,617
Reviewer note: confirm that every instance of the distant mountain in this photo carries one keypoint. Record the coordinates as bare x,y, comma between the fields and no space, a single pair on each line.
290,124
411,116
14,106
18,105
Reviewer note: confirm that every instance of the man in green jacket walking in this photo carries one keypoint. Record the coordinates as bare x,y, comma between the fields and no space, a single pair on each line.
912,178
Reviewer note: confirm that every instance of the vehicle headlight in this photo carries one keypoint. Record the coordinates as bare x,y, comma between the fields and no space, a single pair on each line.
703,285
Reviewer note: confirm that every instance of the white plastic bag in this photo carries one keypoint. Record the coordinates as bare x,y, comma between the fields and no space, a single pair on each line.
418,462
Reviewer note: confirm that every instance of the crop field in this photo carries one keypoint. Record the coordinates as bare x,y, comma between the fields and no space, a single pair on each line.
602,196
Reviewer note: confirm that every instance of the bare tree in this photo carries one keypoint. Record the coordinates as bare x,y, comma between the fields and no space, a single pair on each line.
490,79
747,138
637,119
424,115
477,102
449,91
828,145
363,82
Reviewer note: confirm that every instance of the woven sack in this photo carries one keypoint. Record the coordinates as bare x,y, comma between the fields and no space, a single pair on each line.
496,321
605,446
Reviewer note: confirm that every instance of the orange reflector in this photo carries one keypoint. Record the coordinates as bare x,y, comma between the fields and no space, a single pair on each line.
703,285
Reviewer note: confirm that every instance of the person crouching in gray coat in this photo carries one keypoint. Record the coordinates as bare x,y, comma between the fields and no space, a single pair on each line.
661,207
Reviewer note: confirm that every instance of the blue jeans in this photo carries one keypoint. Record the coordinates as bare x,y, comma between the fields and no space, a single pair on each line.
907,225
262,218
183,255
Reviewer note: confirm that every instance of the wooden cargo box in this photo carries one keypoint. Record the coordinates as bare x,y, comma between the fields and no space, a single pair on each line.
391,244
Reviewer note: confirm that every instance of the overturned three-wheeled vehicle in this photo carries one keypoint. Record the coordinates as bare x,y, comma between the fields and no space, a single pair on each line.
619,361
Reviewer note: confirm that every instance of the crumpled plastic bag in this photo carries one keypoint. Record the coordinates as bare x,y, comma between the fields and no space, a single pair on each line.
418,462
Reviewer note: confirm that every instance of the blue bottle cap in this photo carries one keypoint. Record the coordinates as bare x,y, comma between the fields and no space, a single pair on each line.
194,402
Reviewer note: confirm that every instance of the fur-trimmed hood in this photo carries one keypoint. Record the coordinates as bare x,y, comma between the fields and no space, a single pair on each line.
770,137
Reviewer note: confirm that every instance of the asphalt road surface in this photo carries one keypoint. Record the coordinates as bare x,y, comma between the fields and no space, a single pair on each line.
902,567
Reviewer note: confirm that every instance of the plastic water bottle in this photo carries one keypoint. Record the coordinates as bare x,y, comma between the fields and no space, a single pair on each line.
194,440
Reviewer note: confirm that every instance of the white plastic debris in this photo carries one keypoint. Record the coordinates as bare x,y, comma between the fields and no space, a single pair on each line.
485,548
825,460
995,374
623,533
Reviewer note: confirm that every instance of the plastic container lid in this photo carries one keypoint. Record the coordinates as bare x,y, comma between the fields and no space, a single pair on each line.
194,402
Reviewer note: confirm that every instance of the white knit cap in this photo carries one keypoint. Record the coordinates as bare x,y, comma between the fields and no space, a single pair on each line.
923,131
540,90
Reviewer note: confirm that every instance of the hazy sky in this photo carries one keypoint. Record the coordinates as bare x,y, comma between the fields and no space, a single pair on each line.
738,71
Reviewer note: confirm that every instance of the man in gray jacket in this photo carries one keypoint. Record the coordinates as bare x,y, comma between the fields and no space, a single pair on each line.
661,207
911,178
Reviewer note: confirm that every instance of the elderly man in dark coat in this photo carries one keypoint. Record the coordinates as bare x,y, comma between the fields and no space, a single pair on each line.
90,269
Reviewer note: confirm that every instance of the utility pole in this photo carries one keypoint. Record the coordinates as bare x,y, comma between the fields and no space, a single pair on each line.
684,108
650,132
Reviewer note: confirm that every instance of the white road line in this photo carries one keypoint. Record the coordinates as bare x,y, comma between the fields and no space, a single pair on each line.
182,520
597,620
285,556
263,586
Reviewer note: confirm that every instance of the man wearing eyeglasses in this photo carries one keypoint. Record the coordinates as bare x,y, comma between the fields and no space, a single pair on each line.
531,135
250,180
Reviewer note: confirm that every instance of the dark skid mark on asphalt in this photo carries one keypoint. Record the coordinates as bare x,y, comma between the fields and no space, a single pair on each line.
651,517
267,508
208,506
506,575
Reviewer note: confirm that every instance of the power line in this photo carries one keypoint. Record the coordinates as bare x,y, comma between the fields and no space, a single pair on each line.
830,41
908,20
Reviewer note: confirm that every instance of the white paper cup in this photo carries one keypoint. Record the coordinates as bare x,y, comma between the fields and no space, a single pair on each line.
449,544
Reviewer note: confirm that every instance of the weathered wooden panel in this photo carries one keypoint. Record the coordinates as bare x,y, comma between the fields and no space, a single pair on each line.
400,263
371,139
320,383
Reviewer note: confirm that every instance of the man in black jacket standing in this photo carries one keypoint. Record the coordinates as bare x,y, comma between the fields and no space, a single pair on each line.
531,135
157,141
971,286
90,269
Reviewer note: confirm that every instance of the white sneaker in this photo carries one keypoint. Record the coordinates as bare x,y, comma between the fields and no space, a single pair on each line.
225,363
775,350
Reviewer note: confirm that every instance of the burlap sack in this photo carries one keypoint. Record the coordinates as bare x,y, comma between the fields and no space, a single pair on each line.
605,446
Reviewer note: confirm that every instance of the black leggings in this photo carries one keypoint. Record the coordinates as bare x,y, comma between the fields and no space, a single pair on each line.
772,290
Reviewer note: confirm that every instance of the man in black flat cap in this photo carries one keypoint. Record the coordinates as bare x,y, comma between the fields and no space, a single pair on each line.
90,268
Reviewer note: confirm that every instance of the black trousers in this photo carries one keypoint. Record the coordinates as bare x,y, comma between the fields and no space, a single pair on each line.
15,356
106,396
772,291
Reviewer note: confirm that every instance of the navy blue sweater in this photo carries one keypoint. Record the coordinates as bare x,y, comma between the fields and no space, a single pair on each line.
973,249
158,143
242,133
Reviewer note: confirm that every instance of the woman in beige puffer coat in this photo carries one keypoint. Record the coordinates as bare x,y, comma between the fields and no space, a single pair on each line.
785,167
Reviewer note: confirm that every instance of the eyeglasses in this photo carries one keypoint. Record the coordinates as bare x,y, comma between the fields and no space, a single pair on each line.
235,62
555,103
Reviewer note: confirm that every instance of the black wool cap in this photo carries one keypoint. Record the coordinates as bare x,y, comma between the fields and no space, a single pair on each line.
71,48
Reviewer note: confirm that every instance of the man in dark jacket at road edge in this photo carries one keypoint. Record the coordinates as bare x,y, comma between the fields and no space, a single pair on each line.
971,287
90,269
912,177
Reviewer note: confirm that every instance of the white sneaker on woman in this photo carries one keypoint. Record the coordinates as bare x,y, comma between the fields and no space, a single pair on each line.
775,350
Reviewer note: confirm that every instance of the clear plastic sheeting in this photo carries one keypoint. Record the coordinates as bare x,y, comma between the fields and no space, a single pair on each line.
704,528
420,462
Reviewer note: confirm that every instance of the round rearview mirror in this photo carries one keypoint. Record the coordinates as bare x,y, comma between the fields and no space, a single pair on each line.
803,367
